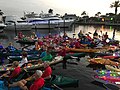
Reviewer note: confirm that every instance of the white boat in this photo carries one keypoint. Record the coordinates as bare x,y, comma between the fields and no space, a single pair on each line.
14,22
39,23
49,21
56,19
2,25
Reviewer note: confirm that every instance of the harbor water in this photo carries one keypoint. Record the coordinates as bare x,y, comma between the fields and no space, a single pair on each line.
80,71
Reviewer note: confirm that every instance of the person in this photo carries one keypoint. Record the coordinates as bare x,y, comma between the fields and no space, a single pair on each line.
24,59
105,37
34,35
62,52
80,34
78,44
36,85
20,35
2,56
43,53
1,46
37,46
48,56
17,70
65,36
40,42
10,47
95,34
47,72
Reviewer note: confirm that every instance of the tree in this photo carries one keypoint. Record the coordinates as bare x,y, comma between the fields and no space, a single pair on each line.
115,4
1,13
98,14
50,11
83,13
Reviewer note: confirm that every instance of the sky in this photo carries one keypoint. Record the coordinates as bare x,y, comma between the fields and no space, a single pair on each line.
18,7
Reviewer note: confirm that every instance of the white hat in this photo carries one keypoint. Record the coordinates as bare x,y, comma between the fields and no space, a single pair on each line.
39,73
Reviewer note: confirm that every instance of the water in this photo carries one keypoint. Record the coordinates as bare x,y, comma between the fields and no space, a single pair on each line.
80,71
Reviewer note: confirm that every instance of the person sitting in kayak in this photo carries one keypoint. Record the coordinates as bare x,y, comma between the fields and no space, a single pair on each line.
95,34
11,47
12,75
104,38
40,42
24,59
65,36
43,52
78,44
25,84
20,35
48,56
37,46
2,49
47,72
1,46
80,34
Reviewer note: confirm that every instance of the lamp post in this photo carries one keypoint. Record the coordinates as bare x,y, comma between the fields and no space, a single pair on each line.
49,25
35,27
14,27
64,25
113,34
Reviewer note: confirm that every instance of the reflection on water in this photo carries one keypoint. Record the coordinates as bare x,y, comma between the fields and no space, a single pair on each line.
82,71
8,36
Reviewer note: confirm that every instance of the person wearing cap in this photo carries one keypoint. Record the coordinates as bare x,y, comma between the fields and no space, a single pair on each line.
24,59
36,85
47,72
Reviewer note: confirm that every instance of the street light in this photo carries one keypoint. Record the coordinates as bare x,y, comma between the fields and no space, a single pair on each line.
64,25
49,25
14,26
35,27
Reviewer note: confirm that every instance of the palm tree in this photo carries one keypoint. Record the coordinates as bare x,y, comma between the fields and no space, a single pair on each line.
116,4
83,13
50,11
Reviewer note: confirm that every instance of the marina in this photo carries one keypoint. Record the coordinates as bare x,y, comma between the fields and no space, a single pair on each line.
57,45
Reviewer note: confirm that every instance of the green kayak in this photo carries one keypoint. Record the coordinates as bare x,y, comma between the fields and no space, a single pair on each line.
79,55
62,81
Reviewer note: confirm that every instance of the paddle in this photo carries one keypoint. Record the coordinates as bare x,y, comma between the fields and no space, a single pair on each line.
57,87
5,74
111,87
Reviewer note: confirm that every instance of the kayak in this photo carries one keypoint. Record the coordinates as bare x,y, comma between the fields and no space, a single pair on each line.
78,55
102,61
111,57
17,53
106,73
30,42
63,81
92,55
113,68
32,64
19,58
4,87
83,50
110,79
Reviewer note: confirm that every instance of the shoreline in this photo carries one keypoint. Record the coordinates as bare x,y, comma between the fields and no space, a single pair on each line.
97,23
